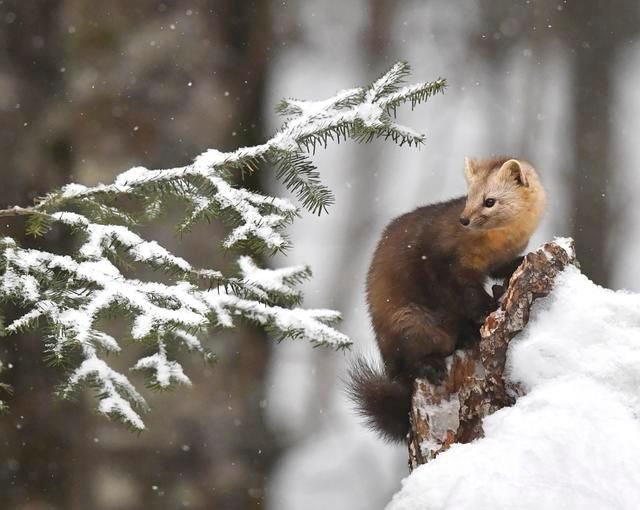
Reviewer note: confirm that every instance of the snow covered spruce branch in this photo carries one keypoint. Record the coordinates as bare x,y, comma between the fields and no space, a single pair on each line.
72,296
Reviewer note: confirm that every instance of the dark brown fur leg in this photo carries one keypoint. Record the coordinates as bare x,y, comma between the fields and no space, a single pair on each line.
468,335
477,303
506,270
420,343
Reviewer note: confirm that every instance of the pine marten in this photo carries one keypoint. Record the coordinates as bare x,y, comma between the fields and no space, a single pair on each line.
425,286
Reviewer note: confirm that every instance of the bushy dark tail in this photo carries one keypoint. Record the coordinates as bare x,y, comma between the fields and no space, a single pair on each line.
384,403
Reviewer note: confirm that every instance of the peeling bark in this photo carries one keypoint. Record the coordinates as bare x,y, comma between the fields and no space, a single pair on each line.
474,387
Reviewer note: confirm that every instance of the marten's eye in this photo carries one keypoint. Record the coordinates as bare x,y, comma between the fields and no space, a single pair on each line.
490,202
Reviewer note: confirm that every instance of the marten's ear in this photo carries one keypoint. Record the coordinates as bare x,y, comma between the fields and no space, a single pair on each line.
470,169
514,170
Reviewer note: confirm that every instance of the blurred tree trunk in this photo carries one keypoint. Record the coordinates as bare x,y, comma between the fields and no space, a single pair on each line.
377,36
37,454
592,159
245,30
595,33
84,74
594,50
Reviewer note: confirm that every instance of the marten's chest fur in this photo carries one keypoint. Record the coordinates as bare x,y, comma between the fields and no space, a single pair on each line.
484,250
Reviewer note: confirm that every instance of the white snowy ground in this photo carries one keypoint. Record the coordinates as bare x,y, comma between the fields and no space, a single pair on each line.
573,442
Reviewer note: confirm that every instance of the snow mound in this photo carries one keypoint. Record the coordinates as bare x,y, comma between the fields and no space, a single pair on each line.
573,441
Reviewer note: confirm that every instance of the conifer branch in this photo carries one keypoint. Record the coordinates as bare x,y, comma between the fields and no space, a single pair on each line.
68,296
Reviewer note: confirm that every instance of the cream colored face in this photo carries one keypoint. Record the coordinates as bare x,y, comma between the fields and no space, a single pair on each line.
496,196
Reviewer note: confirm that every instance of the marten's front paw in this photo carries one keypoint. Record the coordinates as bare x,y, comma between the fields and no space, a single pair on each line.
434,370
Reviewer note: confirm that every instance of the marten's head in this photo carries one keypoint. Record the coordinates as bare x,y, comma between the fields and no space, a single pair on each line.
501,191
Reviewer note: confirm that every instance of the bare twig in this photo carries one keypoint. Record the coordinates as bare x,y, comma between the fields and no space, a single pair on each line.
18,211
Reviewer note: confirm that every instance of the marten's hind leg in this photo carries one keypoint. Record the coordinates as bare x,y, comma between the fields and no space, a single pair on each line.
421,340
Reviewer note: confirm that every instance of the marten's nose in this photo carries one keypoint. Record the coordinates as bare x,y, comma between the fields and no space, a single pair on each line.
464,221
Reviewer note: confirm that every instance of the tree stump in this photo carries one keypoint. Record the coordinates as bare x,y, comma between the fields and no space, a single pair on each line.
474,387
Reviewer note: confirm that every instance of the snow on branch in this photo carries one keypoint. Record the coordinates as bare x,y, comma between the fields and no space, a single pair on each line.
160,313
73,296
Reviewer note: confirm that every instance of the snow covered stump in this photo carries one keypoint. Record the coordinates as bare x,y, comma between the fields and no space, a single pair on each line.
474,386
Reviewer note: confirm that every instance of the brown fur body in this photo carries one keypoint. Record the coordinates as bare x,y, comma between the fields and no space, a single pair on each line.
425,286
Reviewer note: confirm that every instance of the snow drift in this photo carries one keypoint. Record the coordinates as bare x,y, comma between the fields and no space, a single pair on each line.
573,441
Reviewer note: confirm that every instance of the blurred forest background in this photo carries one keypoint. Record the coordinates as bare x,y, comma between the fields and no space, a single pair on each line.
89,89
